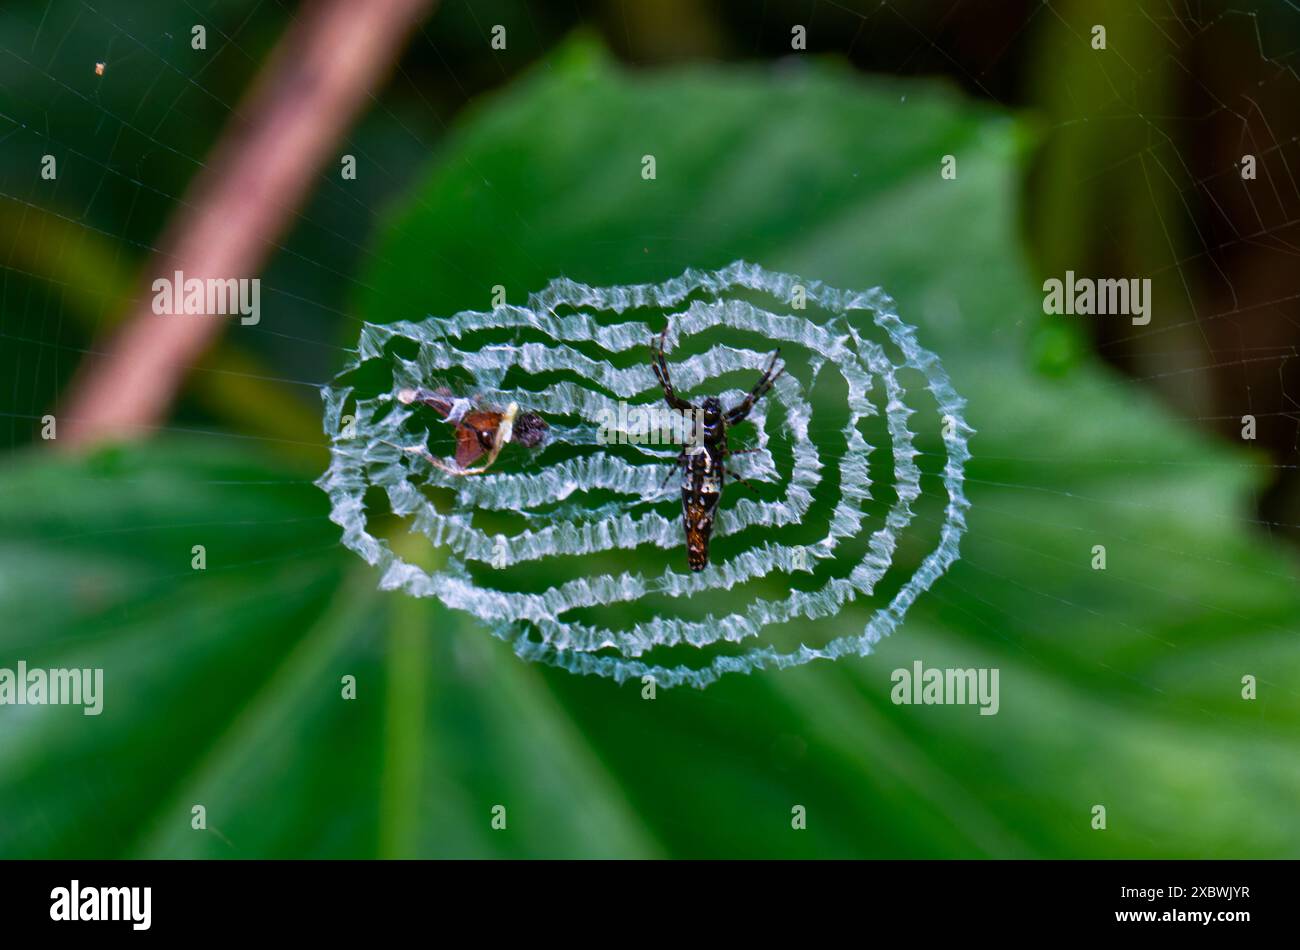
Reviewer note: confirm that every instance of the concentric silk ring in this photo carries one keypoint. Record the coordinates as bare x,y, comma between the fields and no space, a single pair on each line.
574,319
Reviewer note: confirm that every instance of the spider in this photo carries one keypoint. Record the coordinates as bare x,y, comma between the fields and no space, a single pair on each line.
702,458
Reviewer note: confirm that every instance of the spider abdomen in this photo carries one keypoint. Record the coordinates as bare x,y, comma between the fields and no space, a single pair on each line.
702,480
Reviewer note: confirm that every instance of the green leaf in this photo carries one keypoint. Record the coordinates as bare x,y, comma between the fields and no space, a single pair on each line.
1119,687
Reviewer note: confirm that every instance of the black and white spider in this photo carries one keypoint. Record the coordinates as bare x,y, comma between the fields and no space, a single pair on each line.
702,458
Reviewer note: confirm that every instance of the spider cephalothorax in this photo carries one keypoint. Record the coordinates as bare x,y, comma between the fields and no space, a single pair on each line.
702,458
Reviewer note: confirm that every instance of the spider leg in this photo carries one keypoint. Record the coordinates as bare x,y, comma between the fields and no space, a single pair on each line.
677,463
733,475
765,382
660,366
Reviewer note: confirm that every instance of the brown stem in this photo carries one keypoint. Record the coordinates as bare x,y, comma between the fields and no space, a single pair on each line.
240,203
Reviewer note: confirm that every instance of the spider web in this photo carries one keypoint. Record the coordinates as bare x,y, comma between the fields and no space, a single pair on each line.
366,452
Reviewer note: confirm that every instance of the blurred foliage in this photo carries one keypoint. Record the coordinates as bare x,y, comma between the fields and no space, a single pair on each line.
1118,687
1141,173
